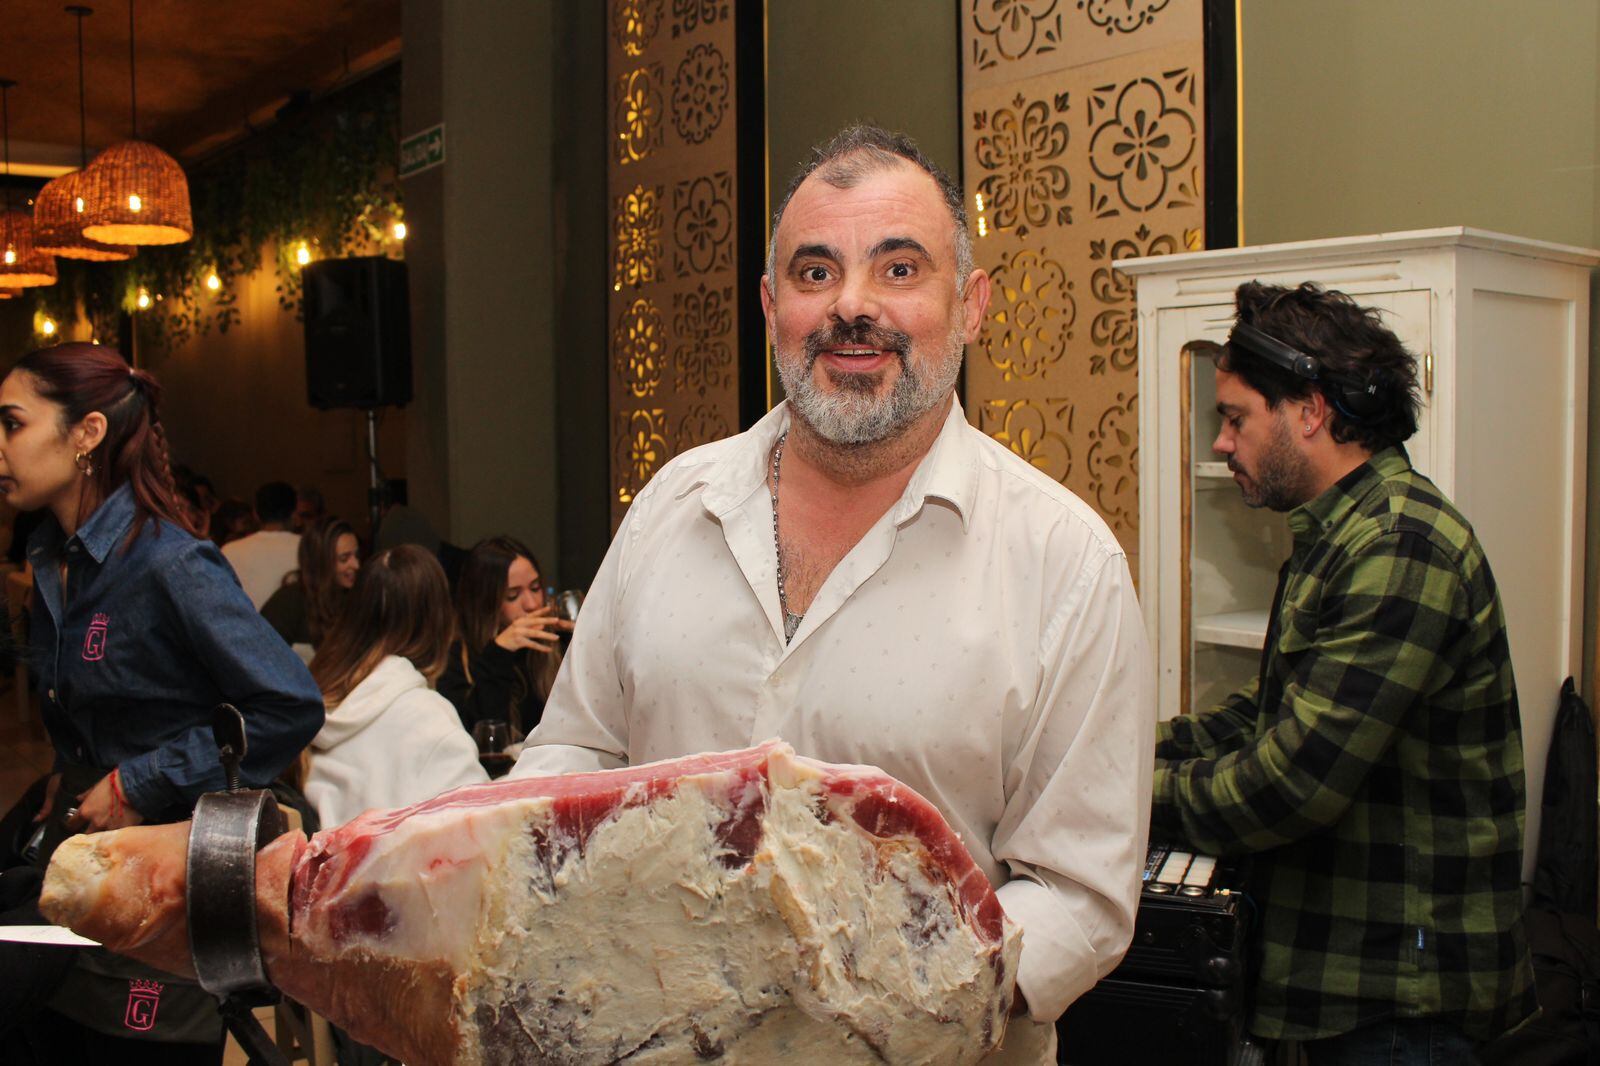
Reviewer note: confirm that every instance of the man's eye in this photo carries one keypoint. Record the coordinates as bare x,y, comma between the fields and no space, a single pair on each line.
901,270
815,274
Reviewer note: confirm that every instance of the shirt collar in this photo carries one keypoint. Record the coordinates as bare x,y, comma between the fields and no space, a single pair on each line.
103,530
1310,519
948,472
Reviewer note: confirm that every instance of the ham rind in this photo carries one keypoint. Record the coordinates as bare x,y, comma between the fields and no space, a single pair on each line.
749,906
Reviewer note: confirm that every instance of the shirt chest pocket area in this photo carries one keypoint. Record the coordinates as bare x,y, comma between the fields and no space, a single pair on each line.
1299,617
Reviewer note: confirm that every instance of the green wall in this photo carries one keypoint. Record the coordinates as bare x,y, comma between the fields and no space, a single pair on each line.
1370,115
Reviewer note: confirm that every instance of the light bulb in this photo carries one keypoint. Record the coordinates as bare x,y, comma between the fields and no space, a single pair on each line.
143,299
983,226
302,254
11,256
78,203
213,282
48,327
979,198
134,203
400,231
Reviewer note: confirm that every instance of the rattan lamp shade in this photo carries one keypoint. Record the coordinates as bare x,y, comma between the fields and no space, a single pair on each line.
134,193
20,265
58,227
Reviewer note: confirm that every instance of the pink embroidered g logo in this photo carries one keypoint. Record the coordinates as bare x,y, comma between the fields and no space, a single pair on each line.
94,641
143,999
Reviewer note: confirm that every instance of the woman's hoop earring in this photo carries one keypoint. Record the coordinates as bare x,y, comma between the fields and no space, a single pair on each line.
85,463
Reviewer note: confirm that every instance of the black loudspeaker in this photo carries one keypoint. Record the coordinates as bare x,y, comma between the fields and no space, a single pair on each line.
358,332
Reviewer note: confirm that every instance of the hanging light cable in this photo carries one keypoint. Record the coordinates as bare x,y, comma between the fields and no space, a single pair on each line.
133,192
20,265
57,218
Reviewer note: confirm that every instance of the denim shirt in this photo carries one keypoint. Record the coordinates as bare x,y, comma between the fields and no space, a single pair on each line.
143,642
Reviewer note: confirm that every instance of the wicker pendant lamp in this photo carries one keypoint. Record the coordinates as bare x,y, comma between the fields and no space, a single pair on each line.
133,192
57,225
20,265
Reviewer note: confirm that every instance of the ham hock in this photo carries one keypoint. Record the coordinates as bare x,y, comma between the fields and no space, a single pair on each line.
751,906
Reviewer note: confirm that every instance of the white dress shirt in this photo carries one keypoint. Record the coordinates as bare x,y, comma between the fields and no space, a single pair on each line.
261,560
981,643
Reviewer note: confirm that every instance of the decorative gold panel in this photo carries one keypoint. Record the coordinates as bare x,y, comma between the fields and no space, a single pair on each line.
1084,142
673,254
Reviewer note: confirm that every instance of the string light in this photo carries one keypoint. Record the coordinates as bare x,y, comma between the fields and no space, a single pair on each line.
143,299
213,282
302,254
400,231
48,327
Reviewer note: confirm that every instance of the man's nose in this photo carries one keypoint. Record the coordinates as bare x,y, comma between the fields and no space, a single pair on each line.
855,301
1223,445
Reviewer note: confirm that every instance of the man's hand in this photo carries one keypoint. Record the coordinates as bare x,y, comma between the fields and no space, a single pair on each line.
50,790
104,807
540,630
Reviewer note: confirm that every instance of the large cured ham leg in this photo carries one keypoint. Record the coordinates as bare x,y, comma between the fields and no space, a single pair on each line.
751,906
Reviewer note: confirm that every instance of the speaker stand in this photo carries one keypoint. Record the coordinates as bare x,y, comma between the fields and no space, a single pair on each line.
374,484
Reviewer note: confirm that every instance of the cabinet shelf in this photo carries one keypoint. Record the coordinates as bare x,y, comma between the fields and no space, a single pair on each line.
1217,470
1235,629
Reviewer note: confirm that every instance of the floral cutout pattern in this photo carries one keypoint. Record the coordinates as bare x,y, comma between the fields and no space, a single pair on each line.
641,449
702,327
690,15
702,424
1113,464
700,93
703,230
1031,312
636,236
1026,184
1038,430
1141,142
1121,16
1114,329
636,114
634,24
1008,30
638,344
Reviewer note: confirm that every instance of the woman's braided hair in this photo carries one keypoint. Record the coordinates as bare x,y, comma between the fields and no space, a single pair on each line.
84,378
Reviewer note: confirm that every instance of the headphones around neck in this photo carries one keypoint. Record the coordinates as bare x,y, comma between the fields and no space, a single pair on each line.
1350,398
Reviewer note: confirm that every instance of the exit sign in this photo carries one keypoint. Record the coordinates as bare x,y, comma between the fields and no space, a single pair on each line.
421,151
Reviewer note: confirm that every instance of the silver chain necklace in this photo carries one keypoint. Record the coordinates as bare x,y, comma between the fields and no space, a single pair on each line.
791,621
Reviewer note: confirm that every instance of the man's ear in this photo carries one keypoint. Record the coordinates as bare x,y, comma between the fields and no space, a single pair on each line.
89,433
975,303
1315,413
769,303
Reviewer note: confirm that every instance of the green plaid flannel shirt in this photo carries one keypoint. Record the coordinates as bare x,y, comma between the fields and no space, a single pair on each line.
1374,768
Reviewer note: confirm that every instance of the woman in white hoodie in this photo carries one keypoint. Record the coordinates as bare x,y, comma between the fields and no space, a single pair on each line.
389,740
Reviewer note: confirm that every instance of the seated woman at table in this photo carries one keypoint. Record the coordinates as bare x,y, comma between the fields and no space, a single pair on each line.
389,739
305,606
510,638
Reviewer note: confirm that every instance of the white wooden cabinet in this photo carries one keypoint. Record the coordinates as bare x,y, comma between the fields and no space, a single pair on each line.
1501,327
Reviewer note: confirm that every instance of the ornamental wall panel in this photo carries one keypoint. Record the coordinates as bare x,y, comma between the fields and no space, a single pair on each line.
1083,141
673,249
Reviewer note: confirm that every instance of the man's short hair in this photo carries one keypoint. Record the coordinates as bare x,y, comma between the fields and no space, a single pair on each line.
1352,346
856,152
275,501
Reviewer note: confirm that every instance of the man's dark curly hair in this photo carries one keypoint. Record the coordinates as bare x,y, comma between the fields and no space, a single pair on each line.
1350,342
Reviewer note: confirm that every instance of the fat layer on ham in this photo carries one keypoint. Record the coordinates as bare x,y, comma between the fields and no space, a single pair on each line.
751,906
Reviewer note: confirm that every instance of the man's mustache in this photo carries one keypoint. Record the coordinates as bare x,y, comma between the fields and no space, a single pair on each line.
855,335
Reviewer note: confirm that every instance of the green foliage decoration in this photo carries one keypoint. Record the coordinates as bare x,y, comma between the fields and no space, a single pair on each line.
324,177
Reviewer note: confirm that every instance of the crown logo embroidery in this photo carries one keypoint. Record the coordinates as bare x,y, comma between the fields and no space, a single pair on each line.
143,999
94,640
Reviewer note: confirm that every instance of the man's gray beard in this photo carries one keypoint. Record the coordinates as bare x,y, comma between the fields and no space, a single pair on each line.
853,413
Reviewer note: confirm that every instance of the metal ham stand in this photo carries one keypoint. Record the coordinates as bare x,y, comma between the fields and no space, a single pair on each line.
227,831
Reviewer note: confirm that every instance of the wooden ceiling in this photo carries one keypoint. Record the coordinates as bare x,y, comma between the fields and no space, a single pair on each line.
208,73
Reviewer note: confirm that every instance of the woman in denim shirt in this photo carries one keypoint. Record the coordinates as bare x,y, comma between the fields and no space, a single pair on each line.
138,630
